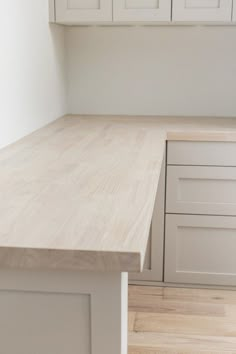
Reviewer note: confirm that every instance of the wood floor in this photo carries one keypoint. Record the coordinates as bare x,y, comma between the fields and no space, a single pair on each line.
181,321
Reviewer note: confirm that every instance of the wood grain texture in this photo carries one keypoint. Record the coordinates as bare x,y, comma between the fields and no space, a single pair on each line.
202,136
80,193
186,329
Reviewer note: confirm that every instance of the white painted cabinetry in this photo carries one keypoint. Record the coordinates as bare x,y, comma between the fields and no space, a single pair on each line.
201,190
79,11
202,10
200,234
200,249
76,12
141,10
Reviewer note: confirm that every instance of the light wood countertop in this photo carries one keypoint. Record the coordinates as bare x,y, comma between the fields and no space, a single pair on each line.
79,193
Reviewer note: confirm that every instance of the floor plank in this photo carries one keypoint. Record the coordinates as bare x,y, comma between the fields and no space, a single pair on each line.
184,343
182,321
131,319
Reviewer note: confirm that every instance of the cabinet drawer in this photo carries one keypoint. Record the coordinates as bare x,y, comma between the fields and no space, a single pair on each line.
202,10
200,249
141,10
79,11
201,190
201,153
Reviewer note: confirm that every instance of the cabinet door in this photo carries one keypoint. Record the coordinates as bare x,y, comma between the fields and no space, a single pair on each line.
201,190
200,249
153,266
202,10
79,11
142,10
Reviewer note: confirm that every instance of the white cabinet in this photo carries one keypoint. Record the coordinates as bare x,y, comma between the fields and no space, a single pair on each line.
200,249
76,12
79,11
202,10
201,190
141,10
202,153
201,180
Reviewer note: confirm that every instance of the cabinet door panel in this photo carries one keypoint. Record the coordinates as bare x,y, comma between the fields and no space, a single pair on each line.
201,190
202,10
141,10
153,266
79,11
200,250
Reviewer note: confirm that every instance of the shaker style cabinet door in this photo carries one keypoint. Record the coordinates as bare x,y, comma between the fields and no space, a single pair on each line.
141,10
208,190
202,10
79,11
200,249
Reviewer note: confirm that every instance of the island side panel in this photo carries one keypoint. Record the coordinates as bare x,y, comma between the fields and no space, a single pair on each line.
57,312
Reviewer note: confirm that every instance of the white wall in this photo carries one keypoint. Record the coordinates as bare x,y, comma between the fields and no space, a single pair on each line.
32,68
152,70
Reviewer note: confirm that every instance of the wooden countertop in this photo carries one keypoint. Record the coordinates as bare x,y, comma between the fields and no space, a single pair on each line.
79,193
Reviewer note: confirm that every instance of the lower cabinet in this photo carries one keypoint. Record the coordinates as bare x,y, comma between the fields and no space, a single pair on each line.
153,267
201,190
193,232
200,249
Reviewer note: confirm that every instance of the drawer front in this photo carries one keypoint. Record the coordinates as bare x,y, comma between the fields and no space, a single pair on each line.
200,250
201,190
201,153
141,10
202,10
79,11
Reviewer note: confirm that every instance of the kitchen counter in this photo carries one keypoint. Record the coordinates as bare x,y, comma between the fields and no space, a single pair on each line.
76,203
80,192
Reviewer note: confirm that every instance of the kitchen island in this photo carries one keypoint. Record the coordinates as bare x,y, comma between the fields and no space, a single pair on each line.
76,202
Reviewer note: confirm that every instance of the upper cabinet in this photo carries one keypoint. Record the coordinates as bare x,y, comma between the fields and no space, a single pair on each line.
76,12
141,10
79,11
202,10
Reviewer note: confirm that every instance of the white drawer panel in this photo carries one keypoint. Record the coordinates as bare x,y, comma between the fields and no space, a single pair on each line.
141,10
201,153
202,10
200,249
79,11
201,190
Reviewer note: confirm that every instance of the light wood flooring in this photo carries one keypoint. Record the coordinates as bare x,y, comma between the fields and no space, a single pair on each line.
181,321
